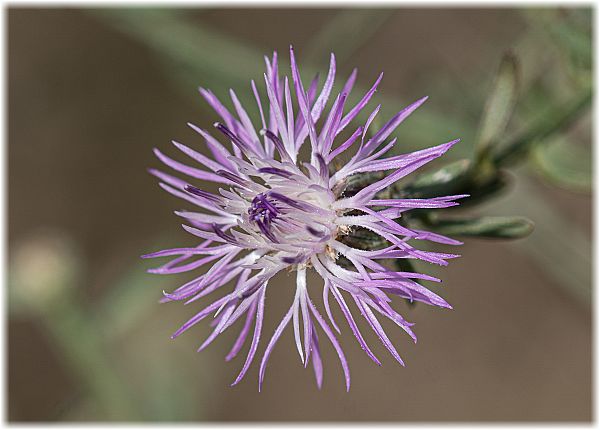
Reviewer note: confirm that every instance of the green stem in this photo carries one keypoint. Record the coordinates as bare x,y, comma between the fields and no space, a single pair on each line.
484,176
82,347
558,119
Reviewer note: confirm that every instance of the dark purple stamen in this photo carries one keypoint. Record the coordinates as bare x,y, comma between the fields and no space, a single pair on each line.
315,232
263,212
323,171
236,140
288,201
275,171
198,192
226,237
264,228
294,260
264,201
252,290
232,177
278,144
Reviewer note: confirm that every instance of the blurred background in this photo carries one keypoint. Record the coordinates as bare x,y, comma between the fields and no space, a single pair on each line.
92,91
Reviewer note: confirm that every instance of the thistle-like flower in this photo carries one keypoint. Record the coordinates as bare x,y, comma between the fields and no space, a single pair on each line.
278,213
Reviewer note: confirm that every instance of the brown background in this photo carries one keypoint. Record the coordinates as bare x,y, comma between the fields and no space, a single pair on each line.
86,105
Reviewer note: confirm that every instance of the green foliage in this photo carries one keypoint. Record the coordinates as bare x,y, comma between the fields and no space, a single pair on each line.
342,35
489,227
556,119
450,178
500,104
571,31
564,163
194,54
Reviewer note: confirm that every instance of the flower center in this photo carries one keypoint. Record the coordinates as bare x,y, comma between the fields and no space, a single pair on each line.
262,210
297,218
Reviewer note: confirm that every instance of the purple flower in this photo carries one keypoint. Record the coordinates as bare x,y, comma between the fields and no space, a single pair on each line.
278,212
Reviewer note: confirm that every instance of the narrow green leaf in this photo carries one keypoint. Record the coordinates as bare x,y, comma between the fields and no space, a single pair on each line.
555,119
564,163
482,191
448,179
500,103
346,32
491,227
459,177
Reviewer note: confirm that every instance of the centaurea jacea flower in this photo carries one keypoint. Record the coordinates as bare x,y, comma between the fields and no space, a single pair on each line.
276,212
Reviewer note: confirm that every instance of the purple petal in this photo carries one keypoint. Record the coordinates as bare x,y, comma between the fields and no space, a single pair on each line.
391,125
276,171
344,146
222,319
316,360
263,364
202,159
347,89
239,342
218,151
360,105
190,171
366,311
333,341
327,307
346,311
400,173
202,314
303,102
255,338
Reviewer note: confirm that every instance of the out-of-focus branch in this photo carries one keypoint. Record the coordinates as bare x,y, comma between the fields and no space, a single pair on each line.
556,119
345,33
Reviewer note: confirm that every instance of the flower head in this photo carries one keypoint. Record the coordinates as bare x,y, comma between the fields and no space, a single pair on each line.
279,211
